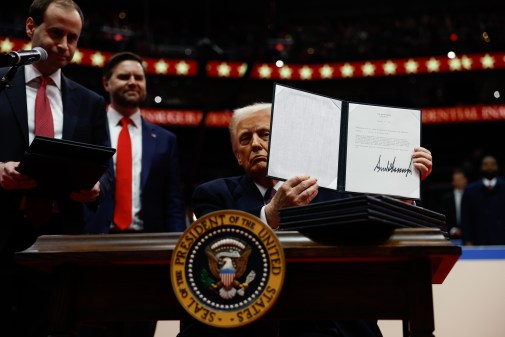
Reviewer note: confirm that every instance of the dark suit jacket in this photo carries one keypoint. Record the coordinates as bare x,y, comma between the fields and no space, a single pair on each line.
84,120
241,193
162,207
483,213
448,207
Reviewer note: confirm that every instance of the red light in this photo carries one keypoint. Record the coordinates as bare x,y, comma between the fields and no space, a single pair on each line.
279,47
454,37
118,37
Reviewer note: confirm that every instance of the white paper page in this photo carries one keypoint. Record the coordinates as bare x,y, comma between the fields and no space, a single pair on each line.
380,144
305,136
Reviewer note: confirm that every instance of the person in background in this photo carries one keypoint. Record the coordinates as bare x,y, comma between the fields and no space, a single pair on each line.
254,193
41,101
451,203
155,202
483,207
147,195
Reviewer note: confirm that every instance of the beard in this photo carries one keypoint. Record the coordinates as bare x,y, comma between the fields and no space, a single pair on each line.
129,101
489,174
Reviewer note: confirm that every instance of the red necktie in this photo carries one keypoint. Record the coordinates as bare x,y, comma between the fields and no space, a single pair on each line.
123,202
43,116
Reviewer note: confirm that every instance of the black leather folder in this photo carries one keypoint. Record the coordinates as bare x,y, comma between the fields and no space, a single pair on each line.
361,218
62,166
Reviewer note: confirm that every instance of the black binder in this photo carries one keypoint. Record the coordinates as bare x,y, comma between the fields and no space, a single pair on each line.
361,218
62,166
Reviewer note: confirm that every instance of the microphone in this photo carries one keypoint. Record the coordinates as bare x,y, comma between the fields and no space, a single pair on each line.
22,57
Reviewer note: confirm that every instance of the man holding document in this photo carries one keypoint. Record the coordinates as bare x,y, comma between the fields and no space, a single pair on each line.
250,136
41,101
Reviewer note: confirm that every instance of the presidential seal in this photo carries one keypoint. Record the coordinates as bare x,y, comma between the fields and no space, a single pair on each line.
227,269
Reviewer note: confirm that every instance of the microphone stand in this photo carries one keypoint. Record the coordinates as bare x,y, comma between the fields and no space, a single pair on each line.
7,78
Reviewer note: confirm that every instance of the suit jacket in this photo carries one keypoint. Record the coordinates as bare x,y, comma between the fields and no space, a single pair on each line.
84,120
483,213
448,207
162,205
241,193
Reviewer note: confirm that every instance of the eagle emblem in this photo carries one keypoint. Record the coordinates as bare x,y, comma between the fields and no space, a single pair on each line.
228,259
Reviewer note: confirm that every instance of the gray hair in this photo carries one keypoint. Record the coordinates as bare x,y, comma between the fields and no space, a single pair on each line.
240,113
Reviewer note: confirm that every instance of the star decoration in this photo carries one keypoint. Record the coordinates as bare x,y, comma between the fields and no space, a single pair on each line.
433,65
368,69
466,62
411,66
97,59
77,57
265,71
285,72
223,70
6,46
389,68
326,71
305,73
347,70
242,69
487,61
455,64
161,67
182,68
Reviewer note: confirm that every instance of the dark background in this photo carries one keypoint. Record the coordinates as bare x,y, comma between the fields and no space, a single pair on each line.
313,31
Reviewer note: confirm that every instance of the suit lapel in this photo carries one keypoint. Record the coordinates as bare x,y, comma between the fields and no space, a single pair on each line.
247,194
16,94
149,138
70,107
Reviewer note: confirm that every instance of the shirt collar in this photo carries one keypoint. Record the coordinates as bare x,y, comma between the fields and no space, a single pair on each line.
489,182
31,73
114,117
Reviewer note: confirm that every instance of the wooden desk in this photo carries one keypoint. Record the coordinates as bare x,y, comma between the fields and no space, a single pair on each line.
126,276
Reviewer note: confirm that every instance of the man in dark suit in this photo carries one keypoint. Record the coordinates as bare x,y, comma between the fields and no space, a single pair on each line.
450,203
154,199
77,114
483,207
157,204
250,131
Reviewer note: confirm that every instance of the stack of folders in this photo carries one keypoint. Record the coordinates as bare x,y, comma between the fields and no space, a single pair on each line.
358,218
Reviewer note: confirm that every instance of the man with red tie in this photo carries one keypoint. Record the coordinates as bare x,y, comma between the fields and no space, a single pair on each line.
41,100
147,195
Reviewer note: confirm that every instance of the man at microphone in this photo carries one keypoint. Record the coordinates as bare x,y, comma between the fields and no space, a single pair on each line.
40,100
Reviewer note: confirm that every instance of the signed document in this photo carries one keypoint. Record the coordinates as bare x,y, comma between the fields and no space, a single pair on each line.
347,146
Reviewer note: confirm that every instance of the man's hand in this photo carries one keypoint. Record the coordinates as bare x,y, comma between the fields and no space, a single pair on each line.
296,191
86,195
10,179
422,161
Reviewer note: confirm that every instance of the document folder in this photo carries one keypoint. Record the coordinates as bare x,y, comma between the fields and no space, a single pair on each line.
62,166
348,146
361,218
